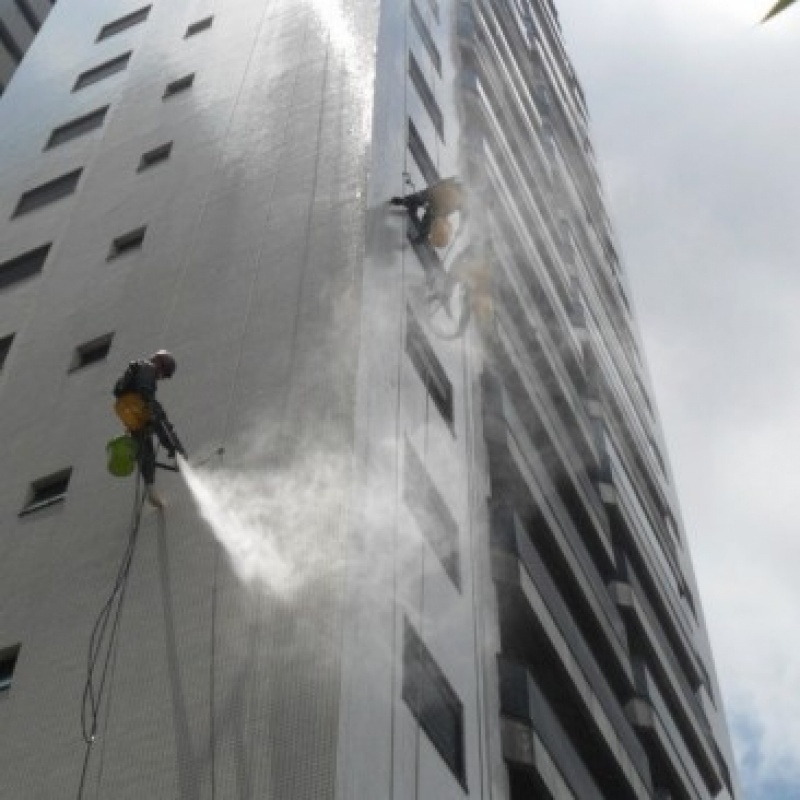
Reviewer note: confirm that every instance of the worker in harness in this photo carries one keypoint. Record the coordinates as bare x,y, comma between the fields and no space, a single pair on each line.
143,416
437,202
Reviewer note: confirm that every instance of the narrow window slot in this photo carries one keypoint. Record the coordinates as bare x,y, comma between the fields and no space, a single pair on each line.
47,491
123,23
101,71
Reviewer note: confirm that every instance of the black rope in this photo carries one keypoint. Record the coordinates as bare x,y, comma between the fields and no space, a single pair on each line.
103,639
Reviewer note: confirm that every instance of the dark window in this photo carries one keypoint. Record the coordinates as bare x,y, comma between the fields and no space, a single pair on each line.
102,71
431,514
47,491
26,11
429,368
425,94
91,352
77,127
123,23
5,346
8,661
425,35
431,699
48,193
154,156
180,85
127,242
421,156
10,43
25,266
197,27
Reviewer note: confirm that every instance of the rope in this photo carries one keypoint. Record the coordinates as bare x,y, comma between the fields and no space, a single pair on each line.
104,638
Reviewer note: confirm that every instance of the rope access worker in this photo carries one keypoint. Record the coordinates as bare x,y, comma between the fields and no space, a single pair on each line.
438,202
144,417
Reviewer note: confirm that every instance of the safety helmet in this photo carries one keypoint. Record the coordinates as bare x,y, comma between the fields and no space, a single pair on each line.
441,231
165,361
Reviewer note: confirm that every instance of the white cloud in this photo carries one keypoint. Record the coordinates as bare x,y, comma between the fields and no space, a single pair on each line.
694,132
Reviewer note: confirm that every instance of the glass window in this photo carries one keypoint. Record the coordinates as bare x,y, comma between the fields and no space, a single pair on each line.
91,352
123,23
429,368
102,71
23,266
431,699
48,193
77,127
197,27
431,514
47,491
426,95
127,242
180,85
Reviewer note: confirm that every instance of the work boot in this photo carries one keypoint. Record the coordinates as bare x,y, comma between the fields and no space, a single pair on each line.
154,498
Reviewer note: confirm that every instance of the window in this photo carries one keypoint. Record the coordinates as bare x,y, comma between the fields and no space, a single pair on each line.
420,155
433,702
199,26
102,71
127,243
123,23
429,368
77,127
10,44
425,35
431,514
23,266
180,85
8,661
26,11
47,193
91,352
5,346
426,95
47,491
154,156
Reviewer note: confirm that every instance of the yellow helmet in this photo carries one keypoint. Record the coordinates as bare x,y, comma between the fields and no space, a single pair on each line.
441,231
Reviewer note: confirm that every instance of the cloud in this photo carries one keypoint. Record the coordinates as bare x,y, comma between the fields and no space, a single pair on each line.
696,145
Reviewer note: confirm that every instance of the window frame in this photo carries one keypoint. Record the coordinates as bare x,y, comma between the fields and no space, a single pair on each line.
39,496
123,23
86,354
155,156
432,514
47,193
77,127
419,663
198,27
429,369
178,86
26,265
6,343
426,95
8,664
102,71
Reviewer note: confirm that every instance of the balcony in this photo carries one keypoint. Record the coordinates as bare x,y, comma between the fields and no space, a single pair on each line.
601,723
540,742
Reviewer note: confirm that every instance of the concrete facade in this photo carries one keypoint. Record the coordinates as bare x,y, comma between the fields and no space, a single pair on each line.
487,589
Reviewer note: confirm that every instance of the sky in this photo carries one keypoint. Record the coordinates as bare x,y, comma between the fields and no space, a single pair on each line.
694,119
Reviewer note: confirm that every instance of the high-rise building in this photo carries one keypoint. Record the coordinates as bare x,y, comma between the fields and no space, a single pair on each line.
440,554
20,21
